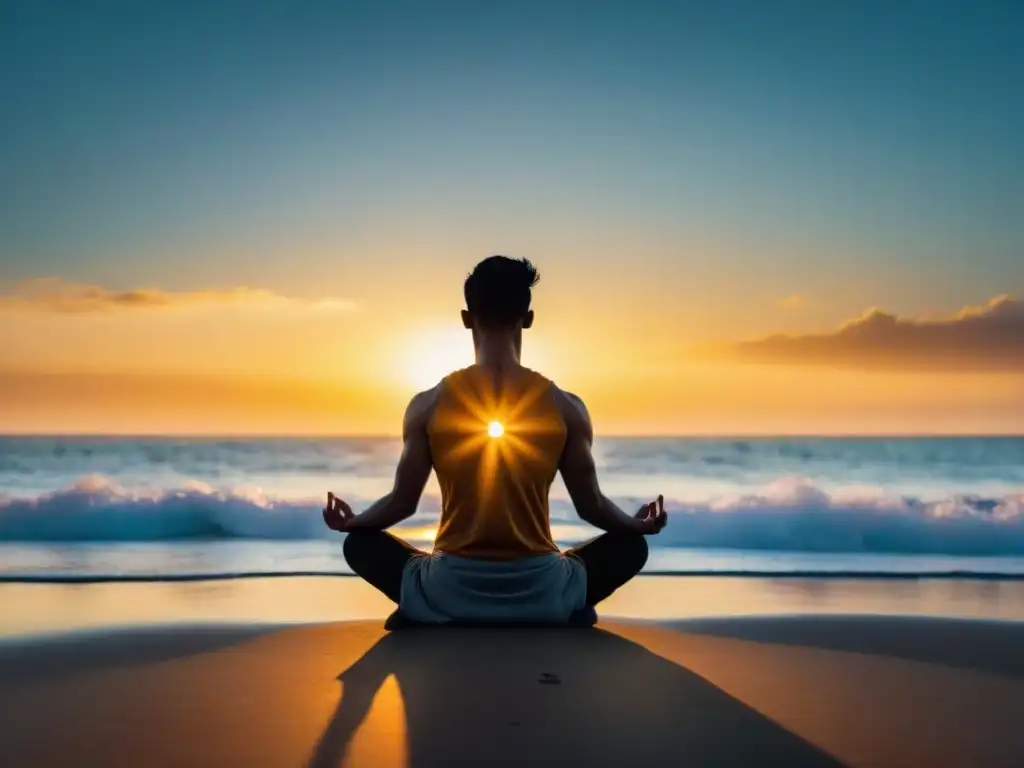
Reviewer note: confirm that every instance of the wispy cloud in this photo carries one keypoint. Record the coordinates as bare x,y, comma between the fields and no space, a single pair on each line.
990,336
53,294
793,301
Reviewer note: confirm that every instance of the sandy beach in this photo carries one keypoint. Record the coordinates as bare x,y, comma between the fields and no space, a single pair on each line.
820,691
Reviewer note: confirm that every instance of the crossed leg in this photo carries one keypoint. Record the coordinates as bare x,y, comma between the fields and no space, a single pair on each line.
379,558
611,560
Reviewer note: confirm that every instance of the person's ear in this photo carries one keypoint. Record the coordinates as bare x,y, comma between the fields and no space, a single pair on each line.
528,320
467,319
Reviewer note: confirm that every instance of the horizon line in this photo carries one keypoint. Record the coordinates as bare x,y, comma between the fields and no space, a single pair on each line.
838,575
606,436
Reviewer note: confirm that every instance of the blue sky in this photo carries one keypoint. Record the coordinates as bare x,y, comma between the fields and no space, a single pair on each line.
684,174
172,144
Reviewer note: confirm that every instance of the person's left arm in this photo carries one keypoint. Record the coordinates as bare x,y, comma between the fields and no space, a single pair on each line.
411,477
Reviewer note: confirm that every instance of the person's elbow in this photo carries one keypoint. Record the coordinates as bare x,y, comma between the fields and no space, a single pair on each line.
589,509
403,503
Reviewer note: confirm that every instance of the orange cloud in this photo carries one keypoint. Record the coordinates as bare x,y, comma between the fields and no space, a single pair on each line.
988,337
53,294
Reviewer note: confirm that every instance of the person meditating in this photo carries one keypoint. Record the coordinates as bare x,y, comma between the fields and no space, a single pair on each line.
496,433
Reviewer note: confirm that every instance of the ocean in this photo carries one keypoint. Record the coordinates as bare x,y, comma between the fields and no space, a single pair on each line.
121,509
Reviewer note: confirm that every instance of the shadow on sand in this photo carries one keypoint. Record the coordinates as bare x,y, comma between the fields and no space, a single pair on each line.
984,646
59,657
535,696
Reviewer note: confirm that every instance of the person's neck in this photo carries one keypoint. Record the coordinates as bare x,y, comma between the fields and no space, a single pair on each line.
497,351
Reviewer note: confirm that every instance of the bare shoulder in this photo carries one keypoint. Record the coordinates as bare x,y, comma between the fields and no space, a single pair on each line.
566,399
573,410
421,408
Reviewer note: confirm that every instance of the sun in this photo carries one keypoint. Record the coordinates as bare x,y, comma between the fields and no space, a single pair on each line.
432,354
495,429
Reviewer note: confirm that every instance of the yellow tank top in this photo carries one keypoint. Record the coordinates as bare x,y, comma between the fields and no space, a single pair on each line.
495,451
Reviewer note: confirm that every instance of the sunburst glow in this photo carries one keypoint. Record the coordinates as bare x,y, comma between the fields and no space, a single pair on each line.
498,428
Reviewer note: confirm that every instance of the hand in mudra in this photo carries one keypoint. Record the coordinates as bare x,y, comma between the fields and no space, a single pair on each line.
652,517
337,514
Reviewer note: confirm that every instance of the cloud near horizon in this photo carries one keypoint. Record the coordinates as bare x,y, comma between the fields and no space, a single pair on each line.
53,294
987,337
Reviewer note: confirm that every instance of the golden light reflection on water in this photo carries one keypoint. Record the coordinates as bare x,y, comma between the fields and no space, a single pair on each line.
423,536
44,608
420,536
40,608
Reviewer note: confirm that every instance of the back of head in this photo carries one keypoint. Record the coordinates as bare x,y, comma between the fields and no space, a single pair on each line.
498,291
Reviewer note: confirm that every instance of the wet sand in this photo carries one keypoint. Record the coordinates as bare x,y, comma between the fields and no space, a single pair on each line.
772,691
34,609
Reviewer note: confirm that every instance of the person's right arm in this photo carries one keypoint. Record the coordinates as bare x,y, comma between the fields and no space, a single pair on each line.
580,475
414,467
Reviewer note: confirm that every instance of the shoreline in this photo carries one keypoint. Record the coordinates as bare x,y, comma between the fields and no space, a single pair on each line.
725,574
40,607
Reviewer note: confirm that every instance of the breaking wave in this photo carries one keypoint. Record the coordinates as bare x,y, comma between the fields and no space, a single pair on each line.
791,515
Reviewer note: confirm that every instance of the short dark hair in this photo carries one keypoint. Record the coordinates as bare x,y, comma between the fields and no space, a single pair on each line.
498,290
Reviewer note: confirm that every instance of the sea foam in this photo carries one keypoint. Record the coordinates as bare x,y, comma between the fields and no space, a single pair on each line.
792,514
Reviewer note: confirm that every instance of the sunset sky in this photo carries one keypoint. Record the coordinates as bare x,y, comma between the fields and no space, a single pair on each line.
749,218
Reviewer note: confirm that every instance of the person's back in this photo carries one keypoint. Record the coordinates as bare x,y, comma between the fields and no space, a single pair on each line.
496,441
496,434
